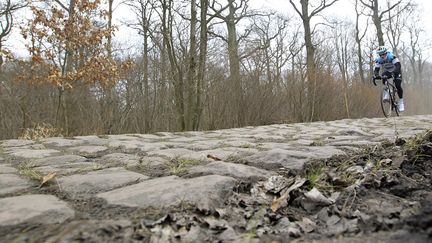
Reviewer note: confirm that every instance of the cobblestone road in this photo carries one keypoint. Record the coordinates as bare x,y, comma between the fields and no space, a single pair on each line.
164,170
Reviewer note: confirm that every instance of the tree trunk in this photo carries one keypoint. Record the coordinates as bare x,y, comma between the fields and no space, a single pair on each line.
146,103
358,40
191,75
176,70
110,15
234,64
201,64
310,62
310,49
377,22
68,68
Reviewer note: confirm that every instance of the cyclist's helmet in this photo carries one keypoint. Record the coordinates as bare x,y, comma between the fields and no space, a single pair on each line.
381,50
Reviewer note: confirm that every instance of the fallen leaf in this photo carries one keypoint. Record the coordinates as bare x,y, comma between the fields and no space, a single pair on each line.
316,196
279,202
283,200
213,157
47,178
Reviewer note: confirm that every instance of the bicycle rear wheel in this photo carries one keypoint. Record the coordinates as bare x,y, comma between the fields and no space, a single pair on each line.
386,105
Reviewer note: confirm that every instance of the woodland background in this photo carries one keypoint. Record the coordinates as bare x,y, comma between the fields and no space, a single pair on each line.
201,65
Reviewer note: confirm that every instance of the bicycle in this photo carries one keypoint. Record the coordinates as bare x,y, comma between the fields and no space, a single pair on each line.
391,104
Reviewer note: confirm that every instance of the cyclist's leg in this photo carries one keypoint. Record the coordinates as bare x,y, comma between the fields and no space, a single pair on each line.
398,84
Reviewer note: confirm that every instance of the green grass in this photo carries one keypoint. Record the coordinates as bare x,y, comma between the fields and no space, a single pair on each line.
317,143
314,176
178,166
376,165
247,145
413,147
27,170
317,177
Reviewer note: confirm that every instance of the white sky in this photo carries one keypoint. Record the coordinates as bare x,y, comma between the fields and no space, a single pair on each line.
345,8
342,8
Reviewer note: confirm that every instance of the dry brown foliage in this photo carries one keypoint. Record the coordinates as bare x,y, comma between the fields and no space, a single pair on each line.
40,131
68,45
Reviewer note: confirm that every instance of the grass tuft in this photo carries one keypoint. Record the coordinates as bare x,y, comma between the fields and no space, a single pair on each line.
27,170
179,166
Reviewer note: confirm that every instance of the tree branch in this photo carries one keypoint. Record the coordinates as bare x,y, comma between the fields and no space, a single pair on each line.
390,8
296,9
62,5
367,5
322,6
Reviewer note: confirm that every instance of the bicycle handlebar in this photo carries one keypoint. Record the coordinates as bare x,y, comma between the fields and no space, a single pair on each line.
384,78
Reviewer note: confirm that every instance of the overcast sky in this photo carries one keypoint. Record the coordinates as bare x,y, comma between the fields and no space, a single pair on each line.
342,8
345,8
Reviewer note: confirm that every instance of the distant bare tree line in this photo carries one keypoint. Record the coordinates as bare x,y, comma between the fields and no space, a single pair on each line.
205,64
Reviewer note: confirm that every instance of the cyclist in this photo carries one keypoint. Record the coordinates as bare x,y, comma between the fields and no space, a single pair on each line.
392,69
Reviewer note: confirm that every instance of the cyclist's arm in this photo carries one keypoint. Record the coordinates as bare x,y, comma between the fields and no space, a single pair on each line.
376,71
397,66
377,67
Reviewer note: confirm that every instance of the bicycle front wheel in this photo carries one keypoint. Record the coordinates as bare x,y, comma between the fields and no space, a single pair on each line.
386,105
394,102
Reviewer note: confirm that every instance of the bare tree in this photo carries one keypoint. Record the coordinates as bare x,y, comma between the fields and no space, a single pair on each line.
396,25
231,19
197,64
192,68
306,16
201,63
273,56
378,15
144,10
296,78
7,11
265,55
177,71
187,66
108,108
358,38
342,43
236,12
413,50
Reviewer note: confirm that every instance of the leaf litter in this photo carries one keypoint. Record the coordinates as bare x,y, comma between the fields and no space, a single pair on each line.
381,193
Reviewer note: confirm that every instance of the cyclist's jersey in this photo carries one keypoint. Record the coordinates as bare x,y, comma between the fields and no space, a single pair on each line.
379,61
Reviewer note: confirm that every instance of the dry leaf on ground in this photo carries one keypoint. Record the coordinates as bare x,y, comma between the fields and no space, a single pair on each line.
47,178
282,200
213,157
